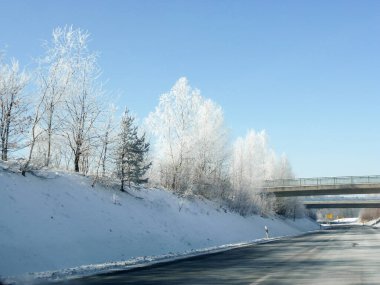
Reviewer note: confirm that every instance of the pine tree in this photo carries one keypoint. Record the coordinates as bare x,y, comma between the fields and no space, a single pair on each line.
131,150
140,167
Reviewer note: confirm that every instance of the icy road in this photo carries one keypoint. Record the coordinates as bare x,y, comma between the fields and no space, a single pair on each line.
342,255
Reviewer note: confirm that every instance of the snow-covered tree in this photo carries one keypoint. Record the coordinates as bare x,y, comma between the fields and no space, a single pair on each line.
209,150
283,168
130,153
14,112
252,162
291,207
35,134
81,105
54,76
171,123
107,136
367,215
69,94
191,140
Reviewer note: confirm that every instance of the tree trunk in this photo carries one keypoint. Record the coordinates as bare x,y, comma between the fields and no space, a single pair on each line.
4,140
104,157
122,185
4,149
4,154
48,150
50,126
76,162
26,165
122,174
77,154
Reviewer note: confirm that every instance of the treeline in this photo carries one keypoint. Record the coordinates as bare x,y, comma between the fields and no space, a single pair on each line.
367,215
59,116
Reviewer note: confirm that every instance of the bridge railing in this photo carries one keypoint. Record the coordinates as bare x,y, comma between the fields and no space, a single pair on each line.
341,180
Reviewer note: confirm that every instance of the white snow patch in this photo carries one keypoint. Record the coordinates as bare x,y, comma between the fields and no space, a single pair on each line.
353,221
50,221
374,223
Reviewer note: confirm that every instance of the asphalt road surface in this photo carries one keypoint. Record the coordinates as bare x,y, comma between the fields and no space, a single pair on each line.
342,255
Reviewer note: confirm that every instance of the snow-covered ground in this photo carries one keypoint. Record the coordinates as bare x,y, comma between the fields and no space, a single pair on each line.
57,220
374,223
353,221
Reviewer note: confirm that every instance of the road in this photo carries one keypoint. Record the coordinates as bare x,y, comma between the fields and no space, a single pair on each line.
342,255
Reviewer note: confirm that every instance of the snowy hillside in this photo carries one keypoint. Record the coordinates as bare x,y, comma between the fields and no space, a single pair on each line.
57,220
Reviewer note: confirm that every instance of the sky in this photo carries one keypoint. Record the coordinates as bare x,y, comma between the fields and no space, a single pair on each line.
305,71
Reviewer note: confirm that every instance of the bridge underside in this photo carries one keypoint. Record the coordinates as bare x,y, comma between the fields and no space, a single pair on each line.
315,190
341,204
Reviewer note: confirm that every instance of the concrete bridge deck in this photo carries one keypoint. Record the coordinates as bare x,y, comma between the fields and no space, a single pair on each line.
324,186
342,204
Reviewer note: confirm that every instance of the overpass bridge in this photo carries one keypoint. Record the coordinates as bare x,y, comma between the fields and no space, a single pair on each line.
342,204
343,185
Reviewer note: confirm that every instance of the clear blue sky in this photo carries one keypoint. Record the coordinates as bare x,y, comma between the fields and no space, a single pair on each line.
306,71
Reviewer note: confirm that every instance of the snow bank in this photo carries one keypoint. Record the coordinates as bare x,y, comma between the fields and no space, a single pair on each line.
374,223
53,220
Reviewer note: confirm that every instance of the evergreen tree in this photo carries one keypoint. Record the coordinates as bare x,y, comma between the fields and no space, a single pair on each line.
130,153
140,167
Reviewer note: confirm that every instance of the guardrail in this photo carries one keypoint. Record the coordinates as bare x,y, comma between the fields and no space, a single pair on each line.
342,180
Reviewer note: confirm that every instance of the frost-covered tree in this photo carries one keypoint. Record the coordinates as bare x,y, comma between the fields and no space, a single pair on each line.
107,137
14,112
252,162
172,123
130,153
283,168
35,134
191,140
209,151
69,98
81,105
291,207
54,76
367,215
